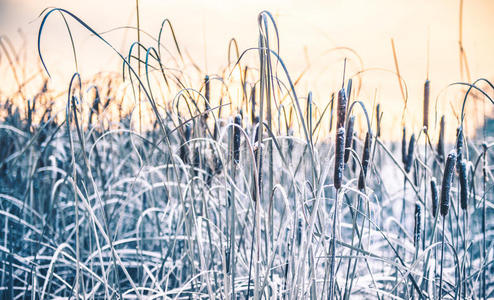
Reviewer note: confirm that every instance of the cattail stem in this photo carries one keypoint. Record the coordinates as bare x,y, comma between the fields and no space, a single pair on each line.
484,243
332,263
425,191
441,263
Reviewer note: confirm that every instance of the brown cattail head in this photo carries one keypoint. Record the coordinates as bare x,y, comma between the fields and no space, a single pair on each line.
378,120
459,147
349,137
331,114
434,197
96,106
426,103
184,149
463,173
440,143
342,101
365,162
418,225
207,107
339,157
253,104
409,160
404,155
256,126
206,92
349,89
446,185
354,147
44,89
236,139
299,232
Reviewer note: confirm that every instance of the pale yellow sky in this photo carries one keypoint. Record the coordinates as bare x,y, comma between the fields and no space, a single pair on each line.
204,28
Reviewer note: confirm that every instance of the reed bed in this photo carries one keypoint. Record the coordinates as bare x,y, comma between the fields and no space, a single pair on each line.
225,196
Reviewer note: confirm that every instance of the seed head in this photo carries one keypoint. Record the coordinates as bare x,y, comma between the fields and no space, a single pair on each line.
339,157
365,162
409,159
440,142
426,103
418,224
434,197
463,173
236,139
446,185
349,137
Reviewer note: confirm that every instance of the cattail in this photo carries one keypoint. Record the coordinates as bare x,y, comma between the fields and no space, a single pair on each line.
378,120
258,153
184,149
416,170
404,146
342,101
349,89
440,142
339,157
29,114
217,162
256,133
340,140
435,200
446,186
349,137
236,139
253,104
354,147
418,225
227,260
44,89
472,185
409,159
96,106
462,170
299,232
206,93
459,147
426,103
365,162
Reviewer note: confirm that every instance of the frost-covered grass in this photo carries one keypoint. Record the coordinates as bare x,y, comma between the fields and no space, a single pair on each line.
200,204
